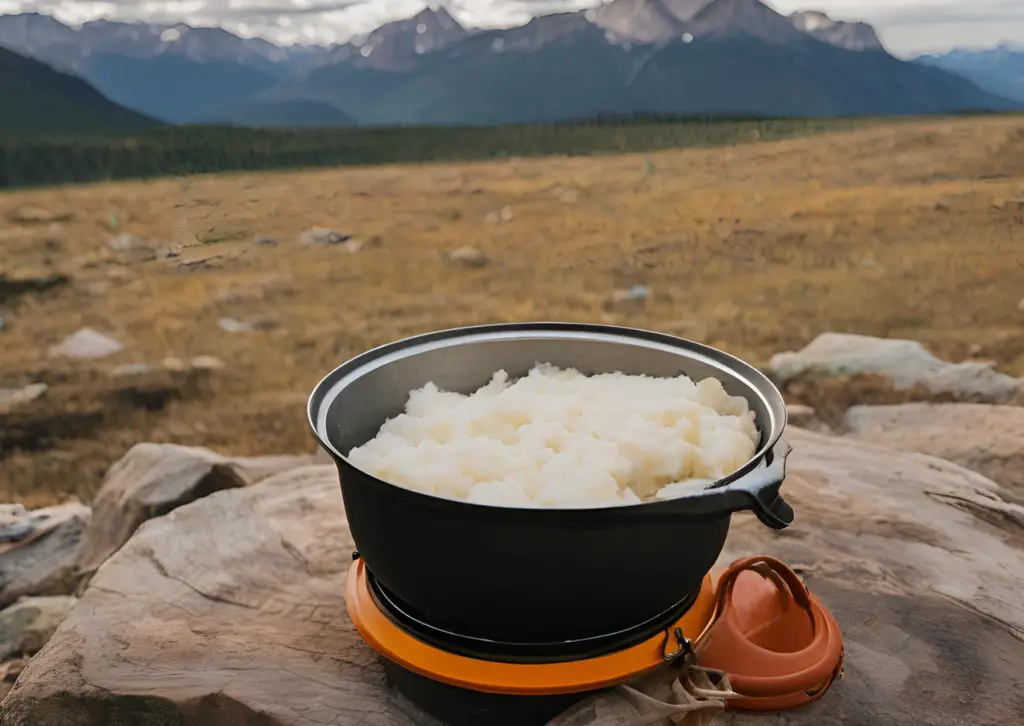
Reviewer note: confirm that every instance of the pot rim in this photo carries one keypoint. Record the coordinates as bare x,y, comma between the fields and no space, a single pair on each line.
330,387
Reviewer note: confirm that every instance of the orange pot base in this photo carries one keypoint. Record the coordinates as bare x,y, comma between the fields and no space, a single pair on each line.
397,645
756,622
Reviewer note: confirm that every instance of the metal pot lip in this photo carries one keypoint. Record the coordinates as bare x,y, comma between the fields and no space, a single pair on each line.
330,387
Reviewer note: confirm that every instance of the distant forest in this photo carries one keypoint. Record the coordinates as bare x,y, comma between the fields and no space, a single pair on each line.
181,150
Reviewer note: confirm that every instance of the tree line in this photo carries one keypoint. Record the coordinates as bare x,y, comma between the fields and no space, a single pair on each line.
182,150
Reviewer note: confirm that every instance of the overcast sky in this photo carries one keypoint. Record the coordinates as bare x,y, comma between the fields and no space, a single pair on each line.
906,26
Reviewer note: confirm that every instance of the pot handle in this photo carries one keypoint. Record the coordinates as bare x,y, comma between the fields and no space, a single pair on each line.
761,487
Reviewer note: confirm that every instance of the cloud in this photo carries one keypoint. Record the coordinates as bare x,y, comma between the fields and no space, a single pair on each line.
909,27
945,13
905,25
288,20
910,12
281,20
279,9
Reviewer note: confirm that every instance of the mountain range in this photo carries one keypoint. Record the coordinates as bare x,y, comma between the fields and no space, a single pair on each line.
626,56
36,97
168,71
999,70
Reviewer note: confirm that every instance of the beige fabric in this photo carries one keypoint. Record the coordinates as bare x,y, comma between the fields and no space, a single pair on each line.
691,696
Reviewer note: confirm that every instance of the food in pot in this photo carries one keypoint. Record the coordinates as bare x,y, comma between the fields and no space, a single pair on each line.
559,438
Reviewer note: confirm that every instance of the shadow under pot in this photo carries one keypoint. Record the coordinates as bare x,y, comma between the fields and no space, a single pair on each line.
534,576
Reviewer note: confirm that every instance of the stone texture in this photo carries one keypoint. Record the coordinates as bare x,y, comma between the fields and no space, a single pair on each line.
127,243
356,245
28,624
634,294
132,369
497,216
233,325
153,479
323,235
806,417
231,610
129,249
199,363
985,439
904,366
11,398
9,673
468,257
39,549
87,343
258,468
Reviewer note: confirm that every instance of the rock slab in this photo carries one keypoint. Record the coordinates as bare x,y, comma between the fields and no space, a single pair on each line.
39,550
806,417
905,365
985,439
12,398
230,610
153,479
28,624
87,343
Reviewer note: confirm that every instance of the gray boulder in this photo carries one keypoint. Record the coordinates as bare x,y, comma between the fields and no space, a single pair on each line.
39,549
26,626
982,438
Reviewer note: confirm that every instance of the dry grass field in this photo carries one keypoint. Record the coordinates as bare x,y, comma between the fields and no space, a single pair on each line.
905,230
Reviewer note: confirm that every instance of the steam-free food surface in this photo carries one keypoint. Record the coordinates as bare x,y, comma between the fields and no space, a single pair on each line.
558,438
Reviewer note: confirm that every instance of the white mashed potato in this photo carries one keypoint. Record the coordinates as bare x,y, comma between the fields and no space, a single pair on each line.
558,438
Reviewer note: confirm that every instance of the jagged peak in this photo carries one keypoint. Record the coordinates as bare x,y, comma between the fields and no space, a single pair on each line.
441,15
638,20
744,17
852,35
685,10
750,8
31,16
811,20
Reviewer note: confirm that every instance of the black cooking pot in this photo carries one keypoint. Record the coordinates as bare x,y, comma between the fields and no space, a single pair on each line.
522,575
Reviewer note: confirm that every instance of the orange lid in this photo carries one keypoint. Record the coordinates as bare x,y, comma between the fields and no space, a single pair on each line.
779,645
397,645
